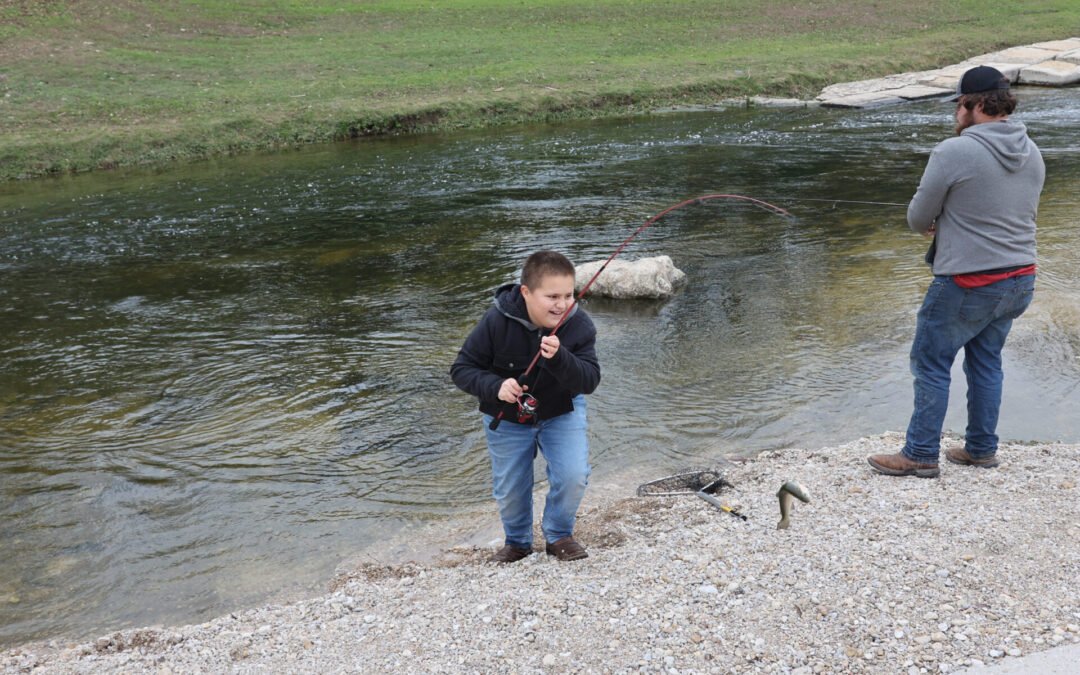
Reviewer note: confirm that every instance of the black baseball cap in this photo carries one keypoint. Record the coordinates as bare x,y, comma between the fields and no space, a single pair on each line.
979,79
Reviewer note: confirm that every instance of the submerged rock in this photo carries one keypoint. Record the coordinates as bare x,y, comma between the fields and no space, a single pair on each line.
645,278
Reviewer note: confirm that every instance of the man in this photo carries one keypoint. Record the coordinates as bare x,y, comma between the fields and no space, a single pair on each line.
978,197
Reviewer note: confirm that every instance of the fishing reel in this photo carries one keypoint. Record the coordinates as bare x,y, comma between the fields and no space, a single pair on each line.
526,410
526,407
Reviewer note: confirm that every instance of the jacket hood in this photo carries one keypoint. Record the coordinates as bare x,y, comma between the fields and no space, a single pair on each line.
1006,140
510,301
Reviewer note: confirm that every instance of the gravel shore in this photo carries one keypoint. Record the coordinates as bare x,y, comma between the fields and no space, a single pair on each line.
875,575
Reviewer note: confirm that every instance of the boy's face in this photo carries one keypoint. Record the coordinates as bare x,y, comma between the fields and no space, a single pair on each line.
550,299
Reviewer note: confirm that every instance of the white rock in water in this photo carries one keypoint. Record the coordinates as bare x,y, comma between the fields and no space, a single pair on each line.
645,278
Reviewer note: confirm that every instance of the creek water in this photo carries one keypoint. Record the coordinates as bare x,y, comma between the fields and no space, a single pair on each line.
219,381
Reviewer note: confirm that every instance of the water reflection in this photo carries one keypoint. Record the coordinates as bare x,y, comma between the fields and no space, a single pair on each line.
219,381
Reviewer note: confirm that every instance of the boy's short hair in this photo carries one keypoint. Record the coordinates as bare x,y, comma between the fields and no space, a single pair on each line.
542,264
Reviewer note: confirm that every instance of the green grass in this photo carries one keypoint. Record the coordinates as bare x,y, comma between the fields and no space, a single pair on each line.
88,84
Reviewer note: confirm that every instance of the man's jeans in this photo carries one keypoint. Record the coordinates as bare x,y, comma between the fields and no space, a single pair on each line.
513,447
977,319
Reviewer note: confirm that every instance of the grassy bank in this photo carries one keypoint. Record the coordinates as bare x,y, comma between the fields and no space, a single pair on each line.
88,84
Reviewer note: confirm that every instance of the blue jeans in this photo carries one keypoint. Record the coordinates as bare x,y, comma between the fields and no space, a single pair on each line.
978,320
513,447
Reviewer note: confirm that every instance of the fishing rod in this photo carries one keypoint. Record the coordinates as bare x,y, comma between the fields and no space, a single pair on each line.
530,402
835,201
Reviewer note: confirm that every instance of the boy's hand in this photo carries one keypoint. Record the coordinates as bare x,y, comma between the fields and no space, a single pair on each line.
549,346
510,390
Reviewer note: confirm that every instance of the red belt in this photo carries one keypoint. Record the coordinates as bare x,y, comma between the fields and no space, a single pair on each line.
977,279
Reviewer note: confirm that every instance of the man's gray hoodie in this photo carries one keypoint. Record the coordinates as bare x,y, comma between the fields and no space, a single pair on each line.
981,191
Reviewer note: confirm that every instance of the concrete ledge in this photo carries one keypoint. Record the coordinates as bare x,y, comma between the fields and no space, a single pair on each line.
1061,660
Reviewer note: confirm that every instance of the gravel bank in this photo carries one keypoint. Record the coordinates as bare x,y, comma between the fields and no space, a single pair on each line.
875,575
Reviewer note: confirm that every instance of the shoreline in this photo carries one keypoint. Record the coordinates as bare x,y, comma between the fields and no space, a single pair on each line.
875,575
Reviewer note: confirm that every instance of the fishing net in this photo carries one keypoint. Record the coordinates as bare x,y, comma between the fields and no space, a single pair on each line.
685,482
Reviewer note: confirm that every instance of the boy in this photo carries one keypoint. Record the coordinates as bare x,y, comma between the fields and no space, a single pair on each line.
494,356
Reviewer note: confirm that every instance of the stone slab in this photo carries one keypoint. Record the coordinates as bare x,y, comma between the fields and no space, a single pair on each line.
1024,55
881,84
767,102
1059,45
869,100
915,92
1009,70
943,82
1072,56
949,71
1054,73
948,78
945,78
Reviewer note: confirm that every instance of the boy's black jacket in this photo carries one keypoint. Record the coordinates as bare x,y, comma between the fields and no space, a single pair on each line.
505,341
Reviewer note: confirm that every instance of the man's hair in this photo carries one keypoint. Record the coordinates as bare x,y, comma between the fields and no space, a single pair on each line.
995,102
542,264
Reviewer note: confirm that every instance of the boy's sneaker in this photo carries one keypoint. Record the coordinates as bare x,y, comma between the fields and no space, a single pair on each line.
958,455
510,554
566,548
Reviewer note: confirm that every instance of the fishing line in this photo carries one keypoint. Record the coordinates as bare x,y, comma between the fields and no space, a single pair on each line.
696,200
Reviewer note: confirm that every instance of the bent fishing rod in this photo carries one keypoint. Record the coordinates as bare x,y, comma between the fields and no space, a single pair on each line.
757,202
